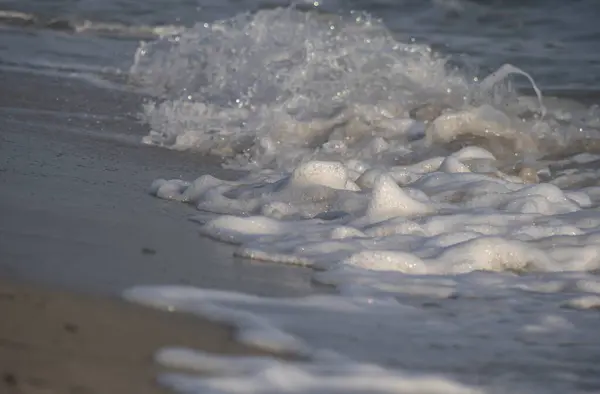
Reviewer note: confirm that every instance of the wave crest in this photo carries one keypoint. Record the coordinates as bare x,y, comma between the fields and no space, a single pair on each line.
281,86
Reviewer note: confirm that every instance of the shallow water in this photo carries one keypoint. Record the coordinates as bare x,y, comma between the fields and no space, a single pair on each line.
436,162
555,40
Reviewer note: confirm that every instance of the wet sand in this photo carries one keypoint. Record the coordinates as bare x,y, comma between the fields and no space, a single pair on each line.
74,203
75,216
57,342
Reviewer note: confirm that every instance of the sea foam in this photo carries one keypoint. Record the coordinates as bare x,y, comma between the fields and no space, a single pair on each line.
450,213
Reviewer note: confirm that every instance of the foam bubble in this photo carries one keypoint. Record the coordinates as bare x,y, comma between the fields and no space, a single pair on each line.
384,260
236,230
389,200
330,174
450,220
587,302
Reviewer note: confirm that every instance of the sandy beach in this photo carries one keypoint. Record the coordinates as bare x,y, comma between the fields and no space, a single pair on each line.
78,227
55,342
75,207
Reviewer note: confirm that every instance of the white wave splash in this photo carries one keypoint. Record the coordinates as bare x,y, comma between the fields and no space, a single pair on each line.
279,86
421,193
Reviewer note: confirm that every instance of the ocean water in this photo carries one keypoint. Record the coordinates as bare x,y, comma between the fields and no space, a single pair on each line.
437,163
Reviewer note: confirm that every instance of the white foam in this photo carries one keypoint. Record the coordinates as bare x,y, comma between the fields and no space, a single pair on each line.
263,375
407,262
445,221
587,302
383,260
267,376
331,88
235,229
424,196
330,174
341,337
389,200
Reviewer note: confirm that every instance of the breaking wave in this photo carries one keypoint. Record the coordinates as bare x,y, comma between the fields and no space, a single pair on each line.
278,87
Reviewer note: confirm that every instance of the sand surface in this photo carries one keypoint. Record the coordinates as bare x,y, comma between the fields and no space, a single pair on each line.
74,206
58,342
75,215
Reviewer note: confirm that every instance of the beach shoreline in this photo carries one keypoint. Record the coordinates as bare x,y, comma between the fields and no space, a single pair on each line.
376,149
78,227
76,212
53,341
